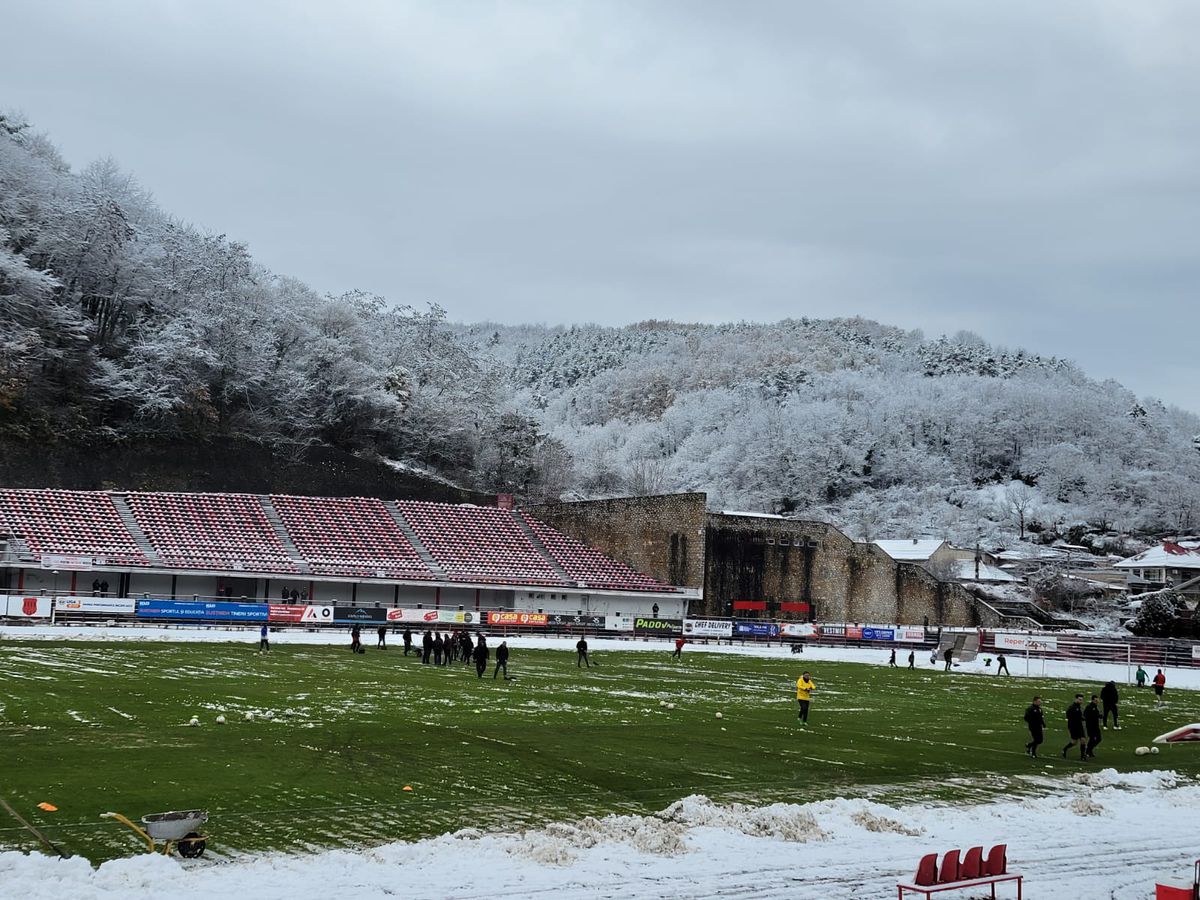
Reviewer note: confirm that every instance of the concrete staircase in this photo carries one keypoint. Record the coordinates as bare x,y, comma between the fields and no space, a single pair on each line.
135,530
542,548
424,553
272,515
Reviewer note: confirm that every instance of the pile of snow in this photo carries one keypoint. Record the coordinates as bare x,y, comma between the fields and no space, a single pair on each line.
697,848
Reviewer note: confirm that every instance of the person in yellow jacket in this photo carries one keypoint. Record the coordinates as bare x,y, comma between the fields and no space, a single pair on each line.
804,689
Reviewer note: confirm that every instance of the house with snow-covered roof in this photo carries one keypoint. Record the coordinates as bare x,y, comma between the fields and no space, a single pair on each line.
1169,564
916,550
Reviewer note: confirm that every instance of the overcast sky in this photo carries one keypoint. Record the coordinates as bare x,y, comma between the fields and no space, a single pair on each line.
1023,169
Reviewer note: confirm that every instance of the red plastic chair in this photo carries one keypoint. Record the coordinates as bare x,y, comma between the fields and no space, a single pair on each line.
972,866
927,870
997,861
949,867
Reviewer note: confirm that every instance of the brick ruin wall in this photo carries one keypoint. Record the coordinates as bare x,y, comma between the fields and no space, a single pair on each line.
736,557
660,536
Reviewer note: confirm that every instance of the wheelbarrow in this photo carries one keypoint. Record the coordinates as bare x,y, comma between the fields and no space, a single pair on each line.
162,830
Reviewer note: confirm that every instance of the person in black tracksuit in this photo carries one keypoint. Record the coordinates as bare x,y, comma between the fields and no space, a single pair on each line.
949,657
1001,664
407,640
1035,719
502,661
892,659
581,657
1091,721
382,644
426,647
438,648
481,657
1108,699
356,639
1075,728
912,659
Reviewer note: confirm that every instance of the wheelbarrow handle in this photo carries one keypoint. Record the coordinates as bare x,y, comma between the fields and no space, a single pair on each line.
133,827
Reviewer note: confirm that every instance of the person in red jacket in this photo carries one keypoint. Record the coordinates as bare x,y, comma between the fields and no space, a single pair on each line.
1160,686
678,654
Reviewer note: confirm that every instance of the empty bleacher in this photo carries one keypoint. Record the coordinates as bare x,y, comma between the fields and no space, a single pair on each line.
72,523
586,565
478,543
210,531
352,536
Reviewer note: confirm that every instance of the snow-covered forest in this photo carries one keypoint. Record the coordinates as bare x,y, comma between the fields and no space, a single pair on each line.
120,323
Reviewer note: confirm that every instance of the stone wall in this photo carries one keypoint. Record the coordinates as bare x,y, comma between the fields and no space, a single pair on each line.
745,557
660,536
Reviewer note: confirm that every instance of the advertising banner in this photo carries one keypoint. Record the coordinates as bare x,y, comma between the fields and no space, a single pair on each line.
26,607
104,606
750,604
1035,642
798,629
878,634
854,632
833,630
557,620
434,616
285,612
200,610
618,623
657,626
66,563
516,618
714,628
359,614
317,615
1195,651
910,634
794,606
756,629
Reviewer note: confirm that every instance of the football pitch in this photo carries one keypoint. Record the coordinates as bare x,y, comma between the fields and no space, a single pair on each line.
320,745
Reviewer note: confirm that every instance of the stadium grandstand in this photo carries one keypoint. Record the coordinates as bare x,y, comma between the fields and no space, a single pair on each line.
277,548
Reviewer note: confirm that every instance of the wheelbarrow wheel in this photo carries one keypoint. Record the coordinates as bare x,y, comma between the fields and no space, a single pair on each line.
192,846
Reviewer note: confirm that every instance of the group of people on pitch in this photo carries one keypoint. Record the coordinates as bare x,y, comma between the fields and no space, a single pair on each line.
1085,722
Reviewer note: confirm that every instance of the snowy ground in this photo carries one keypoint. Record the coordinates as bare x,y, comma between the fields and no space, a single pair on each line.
1080,670
1099,834
1102,835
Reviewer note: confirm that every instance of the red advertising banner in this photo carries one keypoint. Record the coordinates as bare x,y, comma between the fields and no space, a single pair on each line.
796,607
854,632
516,618
749,604
278,612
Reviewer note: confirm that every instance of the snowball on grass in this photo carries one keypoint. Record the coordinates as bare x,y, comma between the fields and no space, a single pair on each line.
1142,751
220,720
662,702
194,721
1153,749
670,706
719,716
249,714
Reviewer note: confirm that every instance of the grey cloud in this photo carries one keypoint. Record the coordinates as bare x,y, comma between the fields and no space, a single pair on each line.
1025,170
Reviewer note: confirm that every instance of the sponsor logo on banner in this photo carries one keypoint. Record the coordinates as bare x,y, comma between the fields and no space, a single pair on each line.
1034,642
718,628
854,632
516,618
756,629
432,616
26,607
359,614
102,605
66,563
199,610
910,634
833,630
797,629
618,623
317,614
557,620
878,634
657,626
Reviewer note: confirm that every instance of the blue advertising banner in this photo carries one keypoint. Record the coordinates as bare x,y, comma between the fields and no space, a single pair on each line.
756,629
199,609
879,634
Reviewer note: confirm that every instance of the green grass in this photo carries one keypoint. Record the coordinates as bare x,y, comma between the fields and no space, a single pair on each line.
91,727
